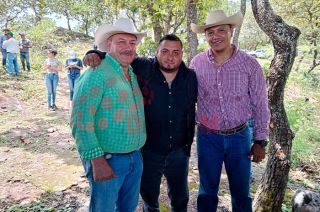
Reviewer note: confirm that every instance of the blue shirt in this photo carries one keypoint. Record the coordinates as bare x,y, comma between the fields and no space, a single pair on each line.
73,71
2,39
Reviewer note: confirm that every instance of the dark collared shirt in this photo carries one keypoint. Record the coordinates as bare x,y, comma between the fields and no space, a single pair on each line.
169,110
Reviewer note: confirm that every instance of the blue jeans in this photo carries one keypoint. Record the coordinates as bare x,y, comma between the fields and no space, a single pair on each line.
72,80
4,57
12,64
51,80
120,193
233,150
175,168
24,57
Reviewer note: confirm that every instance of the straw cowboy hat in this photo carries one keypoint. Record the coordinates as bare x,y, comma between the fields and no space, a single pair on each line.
122,25
217,18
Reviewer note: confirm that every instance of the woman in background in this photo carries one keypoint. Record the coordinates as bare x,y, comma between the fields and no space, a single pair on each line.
74,66
51,68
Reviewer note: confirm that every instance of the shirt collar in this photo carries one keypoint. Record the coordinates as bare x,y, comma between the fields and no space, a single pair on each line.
115,64
210,55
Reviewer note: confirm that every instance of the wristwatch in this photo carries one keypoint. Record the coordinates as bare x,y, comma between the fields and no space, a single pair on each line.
262,143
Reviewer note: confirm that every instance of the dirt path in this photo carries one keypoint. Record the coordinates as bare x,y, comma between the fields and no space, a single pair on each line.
39,164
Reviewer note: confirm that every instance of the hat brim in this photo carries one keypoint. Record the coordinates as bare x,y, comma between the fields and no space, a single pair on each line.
234,20
105,31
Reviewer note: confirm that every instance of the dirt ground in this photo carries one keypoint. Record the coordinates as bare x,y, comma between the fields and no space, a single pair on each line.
39,165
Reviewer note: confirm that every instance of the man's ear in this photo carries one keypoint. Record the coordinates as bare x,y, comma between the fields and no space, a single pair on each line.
108,44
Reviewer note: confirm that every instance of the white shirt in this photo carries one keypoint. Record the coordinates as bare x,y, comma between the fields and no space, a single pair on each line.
11,45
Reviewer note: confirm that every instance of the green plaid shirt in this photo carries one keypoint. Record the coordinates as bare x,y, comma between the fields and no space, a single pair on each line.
107,114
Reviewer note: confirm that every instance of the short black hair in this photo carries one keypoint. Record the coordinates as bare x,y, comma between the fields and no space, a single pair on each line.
171,37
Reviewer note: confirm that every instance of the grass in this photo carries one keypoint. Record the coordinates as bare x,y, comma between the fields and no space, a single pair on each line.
302,104
163,207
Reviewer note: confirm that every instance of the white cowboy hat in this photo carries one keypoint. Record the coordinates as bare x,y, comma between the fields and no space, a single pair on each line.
216,18
122,25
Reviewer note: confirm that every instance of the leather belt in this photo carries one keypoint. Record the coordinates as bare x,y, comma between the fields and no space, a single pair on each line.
237,129
126,153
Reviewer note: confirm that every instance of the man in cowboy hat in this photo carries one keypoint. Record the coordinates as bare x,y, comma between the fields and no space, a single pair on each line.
12,48
108,122
231,89
169,90
3,50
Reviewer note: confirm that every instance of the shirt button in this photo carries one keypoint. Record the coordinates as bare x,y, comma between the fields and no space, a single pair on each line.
169,92
170,121
170,137
169,106
164,81
219,84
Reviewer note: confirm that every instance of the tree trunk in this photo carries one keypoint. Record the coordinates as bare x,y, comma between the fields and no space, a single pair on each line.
68,20
157,29
191,36
315,56
237,31
270,194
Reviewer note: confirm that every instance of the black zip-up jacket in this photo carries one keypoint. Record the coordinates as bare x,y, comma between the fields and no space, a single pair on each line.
169,112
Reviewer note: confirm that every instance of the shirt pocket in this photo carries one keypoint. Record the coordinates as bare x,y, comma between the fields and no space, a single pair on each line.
237,83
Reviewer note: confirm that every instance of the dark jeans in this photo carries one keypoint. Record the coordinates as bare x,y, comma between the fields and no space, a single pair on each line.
4,57
175,168
232,150
24,57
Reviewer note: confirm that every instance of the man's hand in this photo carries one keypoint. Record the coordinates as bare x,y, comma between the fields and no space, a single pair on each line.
101,169
257,153
93,60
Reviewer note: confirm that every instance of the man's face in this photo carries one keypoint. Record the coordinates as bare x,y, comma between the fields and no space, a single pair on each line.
219,37
169,55
23,37
122,47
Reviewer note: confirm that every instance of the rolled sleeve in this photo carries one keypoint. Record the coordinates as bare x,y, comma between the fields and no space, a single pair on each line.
87,99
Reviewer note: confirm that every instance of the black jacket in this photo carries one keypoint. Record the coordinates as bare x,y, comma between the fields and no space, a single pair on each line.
169,112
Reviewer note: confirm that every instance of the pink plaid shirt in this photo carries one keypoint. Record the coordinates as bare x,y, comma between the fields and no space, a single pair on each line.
232,92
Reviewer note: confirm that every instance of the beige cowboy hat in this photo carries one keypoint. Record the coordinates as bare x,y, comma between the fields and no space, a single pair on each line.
216,18
122,25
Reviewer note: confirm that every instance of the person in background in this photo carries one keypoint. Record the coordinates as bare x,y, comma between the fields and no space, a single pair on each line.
3,50
232,89
12,47
25,45
73,66
107,121
51,68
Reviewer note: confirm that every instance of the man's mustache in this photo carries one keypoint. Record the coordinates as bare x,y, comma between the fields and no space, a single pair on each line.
127,52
